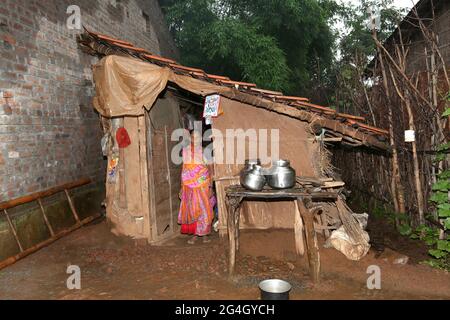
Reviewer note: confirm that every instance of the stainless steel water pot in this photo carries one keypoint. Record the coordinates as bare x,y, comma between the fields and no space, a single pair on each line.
253,179
281,175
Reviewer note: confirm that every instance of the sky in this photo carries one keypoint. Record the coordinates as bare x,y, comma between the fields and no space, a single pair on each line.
397,3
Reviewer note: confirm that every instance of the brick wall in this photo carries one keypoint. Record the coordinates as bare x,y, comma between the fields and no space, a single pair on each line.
49,132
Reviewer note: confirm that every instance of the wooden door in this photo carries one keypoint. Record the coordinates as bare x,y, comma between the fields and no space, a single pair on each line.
164,117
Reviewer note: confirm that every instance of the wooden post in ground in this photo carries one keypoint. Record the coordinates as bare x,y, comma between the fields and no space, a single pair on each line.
233,204
311,240
298,231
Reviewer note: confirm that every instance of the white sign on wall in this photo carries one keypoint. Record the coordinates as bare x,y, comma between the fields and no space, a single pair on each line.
212,104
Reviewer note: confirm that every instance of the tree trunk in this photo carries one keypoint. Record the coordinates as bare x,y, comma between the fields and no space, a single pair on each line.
396,185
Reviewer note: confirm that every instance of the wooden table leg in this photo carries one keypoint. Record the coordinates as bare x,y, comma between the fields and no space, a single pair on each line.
298,231
233,210
237,217
311,240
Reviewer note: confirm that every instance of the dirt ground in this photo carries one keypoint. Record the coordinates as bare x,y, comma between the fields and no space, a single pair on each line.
119,268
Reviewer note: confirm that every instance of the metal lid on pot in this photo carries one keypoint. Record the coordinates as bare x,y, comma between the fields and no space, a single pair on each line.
282,163
253,162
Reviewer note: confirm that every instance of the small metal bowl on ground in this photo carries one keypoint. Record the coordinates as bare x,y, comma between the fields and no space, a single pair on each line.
274,289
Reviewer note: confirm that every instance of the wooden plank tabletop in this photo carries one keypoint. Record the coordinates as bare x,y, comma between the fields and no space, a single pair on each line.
268,193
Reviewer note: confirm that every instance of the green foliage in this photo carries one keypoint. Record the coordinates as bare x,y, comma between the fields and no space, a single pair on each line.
447,224
356,49
358,41
444,210
379,212
405,229
437,253
441,185
444,146
438,263
444,174
276,44
447,110
425,233
440,199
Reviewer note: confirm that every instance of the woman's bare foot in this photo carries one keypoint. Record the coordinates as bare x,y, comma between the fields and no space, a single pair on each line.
206,239
192,240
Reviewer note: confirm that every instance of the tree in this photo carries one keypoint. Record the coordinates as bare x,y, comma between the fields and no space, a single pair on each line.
355,50
358,40
276,44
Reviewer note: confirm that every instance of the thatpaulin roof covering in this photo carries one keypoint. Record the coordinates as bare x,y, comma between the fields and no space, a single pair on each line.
124,85
127,84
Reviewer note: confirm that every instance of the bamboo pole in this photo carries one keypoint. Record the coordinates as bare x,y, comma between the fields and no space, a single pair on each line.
405,98
13,230
47,222
396,186
416,170
34,196
72,206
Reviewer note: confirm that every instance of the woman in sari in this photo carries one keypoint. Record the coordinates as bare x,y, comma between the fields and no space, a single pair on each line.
197,199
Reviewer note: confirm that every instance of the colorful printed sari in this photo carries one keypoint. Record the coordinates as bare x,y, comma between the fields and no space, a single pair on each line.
197,201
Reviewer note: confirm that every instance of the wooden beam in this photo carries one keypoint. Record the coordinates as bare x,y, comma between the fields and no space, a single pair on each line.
330,124
339,139
351,116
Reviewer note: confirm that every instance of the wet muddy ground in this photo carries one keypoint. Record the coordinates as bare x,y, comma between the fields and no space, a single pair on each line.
119,268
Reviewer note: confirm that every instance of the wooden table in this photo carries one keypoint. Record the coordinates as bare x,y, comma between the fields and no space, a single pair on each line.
235,194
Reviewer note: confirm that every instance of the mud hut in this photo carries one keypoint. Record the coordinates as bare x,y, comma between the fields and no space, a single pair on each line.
148,95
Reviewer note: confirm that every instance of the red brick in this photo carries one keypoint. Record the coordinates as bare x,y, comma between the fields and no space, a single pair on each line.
8,94
18,27
10,39
4,11
6,109
21,67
